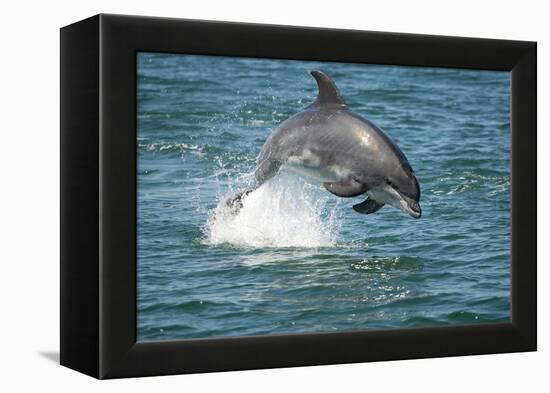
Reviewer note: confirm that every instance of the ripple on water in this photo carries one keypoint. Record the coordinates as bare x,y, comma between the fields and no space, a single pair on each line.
378,264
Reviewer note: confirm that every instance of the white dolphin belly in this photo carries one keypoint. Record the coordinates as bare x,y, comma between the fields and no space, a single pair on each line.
310,165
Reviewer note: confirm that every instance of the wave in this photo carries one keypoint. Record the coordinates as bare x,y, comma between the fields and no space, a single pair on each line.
284,212
172,147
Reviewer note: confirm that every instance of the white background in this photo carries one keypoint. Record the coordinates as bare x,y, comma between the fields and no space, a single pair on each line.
29,219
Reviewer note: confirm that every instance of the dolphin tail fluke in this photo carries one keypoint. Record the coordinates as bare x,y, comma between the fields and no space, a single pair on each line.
236,202
368,206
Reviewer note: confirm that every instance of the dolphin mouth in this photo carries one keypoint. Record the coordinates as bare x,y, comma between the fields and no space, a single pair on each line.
413,208
410,206
403,202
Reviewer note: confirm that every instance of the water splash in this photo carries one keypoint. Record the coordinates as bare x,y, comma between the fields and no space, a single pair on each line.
284,212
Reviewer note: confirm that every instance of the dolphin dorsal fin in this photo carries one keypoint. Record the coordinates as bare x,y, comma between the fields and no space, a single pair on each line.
328,92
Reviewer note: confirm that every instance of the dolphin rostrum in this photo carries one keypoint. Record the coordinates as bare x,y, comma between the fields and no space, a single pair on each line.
346,152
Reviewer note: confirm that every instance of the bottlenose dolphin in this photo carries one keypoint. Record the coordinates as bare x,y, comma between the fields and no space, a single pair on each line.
346,152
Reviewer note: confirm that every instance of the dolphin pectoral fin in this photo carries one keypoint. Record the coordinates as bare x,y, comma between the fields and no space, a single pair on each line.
368,206
346,188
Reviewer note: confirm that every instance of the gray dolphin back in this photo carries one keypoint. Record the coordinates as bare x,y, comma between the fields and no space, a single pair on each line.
286,139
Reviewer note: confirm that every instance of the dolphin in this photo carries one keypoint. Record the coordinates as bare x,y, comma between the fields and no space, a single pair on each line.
347,153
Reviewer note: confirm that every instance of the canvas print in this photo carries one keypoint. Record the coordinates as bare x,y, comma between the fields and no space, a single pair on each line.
283,197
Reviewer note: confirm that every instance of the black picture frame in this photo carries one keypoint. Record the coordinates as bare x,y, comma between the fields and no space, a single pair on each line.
98,196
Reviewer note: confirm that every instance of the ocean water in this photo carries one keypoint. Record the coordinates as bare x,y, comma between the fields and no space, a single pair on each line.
296,258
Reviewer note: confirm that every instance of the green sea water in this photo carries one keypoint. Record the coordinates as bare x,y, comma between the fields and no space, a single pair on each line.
296,258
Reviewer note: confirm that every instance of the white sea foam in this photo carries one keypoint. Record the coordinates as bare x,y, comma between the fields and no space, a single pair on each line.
284,212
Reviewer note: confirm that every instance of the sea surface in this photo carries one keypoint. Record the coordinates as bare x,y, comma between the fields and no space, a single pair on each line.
296,258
